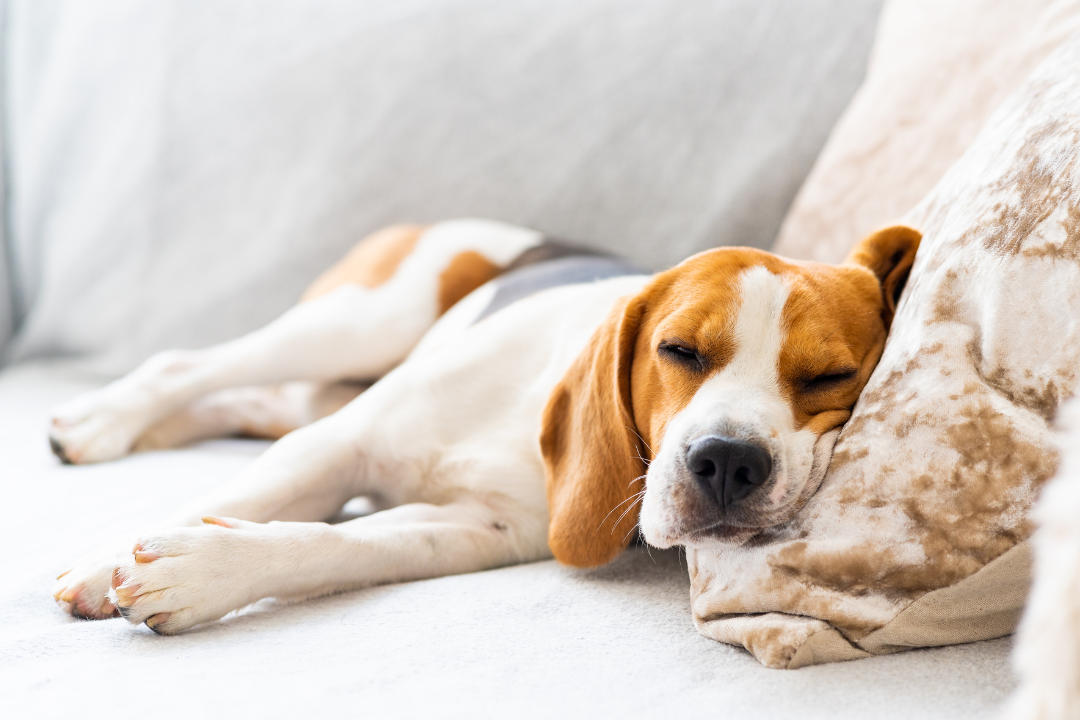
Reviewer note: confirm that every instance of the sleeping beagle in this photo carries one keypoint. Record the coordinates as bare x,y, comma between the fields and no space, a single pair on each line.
532,400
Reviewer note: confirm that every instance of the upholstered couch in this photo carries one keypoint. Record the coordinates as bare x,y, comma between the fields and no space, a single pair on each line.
176,171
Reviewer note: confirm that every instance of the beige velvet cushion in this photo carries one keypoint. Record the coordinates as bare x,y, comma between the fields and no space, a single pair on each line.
916,536
937,72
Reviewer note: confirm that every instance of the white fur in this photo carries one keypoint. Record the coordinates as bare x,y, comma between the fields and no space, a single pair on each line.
456,320
1047,654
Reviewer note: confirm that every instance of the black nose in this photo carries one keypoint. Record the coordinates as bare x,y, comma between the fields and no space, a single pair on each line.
727,469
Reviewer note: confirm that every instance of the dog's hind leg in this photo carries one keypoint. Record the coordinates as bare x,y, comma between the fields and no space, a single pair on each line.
265,412
357,322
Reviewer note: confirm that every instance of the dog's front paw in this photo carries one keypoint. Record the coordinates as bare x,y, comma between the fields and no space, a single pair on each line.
184,577
83,590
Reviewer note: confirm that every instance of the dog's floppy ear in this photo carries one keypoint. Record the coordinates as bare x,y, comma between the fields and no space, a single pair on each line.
590,446
889,254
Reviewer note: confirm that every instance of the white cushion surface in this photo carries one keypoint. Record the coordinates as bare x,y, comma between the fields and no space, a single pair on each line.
536,640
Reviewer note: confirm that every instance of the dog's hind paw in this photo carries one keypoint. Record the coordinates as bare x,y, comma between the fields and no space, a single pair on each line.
94,428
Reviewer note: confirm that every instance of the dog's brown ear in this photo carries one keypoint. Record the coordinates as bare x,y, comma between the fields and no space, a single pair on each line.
889,254
590,446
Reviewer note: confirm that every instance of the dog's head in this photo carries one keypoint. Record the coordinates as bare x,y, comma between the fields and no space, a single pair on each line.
711,398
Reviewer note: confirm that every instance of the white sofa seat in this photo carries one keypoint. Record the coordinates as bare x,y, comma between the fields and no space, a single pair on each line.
535,640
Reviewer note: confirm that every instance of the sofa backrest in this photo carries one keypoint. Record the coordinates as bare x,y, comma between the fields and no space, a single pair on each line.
181,169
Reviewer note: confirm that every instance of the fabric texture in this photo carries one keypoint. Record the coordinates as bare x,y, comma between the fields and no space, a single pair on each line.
531,641
937,72
182,169
915,536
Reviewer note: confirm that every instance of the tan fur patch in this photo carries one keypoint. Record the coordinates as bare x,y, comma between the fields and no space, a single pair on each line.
466,272
371,263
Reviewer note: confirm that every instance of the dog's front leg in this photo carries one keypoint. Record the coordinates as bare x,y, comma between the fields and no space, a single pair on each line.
307,475
183,577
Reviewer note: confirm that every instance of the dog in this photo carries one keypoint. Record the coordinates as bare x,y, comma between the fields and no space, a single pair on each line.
532,399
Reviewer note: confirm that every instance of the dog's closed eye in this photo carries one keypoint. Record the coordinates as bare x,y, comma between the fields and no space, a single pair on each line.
830,379
682,354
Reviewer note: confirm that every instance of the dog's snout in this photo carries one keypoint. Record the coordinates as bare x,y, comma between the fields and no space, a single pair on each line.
728,469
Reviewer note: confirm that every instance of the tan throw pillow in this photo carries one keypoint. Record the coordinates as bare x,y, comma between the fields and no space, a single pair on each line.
916,536
937,72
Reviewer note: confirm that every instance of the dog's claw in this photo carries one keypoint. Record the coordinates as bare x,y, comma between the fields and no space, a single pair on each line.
154,620
58,450
145,556
124,593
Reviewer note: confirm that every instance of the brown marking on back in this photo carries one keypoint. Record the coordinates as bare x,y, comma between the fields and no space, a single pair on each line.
467,271
371,263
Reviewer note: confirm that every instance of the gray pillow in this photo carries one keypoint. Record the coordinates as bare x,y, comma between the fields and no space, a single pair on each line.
181,169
